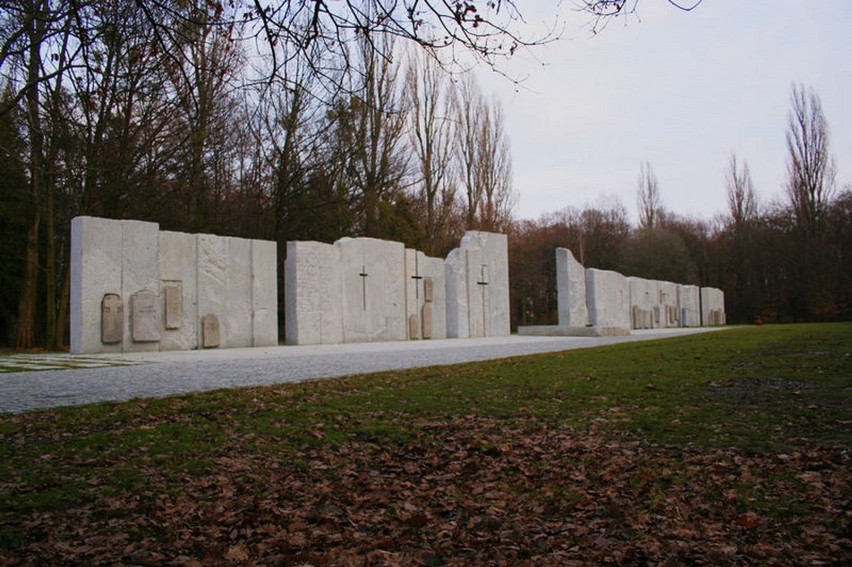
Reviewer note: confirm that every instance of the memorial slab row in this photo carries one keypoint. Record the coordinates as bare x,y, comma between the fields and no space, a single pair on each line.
367,290
135,288
596,302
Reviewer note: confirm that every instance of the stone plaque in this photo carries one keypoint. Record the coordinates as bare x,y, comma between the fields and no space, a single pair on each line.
426,317
144,317
173,304
210,331
112,319
428,289
413,327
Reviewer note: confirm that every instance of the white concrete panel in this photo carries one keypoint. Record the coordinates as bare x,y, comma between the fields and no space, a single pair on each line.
373,283
178,263
433,268
213,279
264,271
608,299
571,290
139,267
669,313
96,259
644,296
236,325
478,286
313,294
455,265
712,306
689,305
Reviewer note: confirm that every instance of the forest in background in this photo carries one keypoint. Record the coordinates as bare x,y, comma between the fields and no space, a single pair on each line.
221,119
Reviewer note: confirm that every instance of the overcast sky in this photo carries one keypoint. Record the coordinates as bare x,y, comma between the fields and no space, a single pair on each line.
681,90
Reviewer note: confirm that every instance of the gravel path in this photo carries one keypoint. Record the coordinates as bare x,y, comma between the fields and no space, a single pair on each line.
169,373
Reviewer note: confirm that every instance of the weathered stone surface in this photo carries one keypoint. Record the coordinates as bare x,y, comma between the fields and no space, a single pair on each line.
313,294
608,299
144,316
187,273
210,331
413,327
112,319
374,300
644,296
264,269
571,290
478,286
426,317
109,256
435,296
172,304
179,263
712,306
669,313
689,305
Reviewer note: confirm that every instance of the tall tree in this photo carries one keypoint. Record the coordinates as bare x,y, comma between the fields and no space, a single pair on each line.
648,197
484,159
429,99
810,167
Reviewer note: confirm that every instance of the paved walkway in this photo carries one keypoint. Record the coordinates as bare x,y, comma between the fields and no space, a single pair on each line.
67,380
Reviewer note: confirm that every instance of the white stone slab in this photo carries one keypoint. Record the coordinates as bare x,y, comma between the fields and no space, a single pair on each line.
689,305
179,263
373,282
264,269
644,303
313,294
458,326
712,306
608,299
669,312
176,279
478,286
571,290
96,259
434,275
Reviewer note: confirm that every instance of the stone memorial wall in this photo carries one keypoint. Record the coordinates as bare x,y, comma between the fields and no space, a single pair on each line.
362,290
608,299
617,304
477,286
135,288
571,290
689,304
712,307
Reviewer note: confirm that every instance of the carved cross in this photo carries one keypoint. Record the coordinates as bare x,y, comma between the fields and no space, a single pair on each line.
364,275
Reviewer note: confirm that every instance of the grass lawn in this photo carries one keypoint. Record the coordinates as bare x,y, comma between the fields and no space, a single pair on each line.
721,448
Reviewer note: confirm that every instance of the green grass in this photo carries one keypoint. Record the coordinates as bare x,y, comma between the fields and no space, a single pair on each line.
759,389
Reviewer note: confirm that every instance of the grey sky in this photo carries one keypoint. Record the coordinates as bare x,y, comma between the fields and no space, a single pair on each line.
679,90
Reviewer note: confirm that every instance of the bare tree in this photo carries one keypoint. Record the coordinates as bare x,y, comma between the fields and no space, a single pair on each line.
648,198
370,135
742,204
810,168
429,94
484,158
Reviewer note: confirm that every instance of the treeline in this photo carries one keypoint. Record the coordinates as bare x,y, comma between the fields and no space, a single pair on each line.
206,119
171,112
787,260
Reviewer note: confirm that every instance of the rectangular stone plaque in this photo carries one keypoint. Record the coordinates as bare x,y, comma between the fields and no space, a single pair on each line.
144,317
413,327
173,304
210,331
112,319
428,289
426,315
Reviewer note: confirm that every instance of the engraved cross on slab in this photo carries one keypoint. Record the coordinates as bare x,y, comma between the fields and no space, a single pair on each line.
364,275
416,277
483,282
